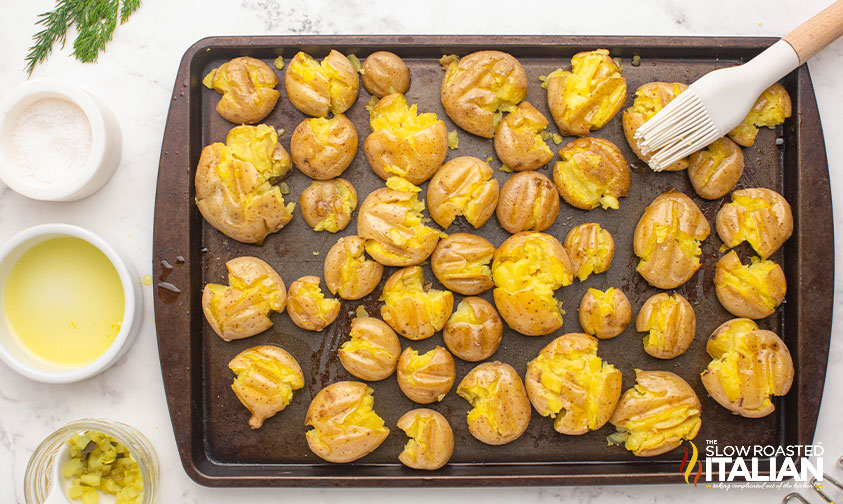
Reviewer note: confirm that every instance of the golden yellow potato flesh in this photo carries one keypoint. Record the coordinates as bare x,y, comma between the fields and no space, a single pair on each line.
348,272
372,351
751,291
500,409
670,323
426,378
588,96
590,248
519,139
667,240
769,110
463,186
241,308
327,205
604,314
474,331
649,100
248,89
715,170
234,190
656,415
319,88
749,366
761,217
308,307
266,378
431,442
591,172
411,307
568,382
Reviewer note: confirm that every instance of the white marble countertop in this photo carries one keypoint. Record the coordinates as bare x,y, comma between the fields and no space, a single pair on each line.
141,63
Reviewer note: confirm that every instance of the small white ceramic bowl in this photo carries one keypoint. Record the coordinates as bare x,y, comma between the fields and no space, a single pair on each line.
106,141
21,360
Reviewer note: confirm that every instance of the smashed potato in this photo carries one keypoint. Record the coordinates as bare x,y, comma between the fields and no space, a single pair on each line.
500,409
266,378
518,139
527,202
752,291
403,142
715,170
241,308
749,366
479,87
670,324
327,205
372,351
604,314
461,263
384,73
591,172
234,190
590,248
345,425
568,382
319,88
413,308
431,442
588,96
761,217
649,100
248,89
667,239
390,220
428,377
308,307
463,186
656,415
474,331
323,148
527,269
348,273
770,110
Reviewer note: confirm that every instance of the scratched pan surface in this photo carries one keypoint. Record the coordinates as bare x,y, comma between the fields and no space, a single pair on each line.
215,443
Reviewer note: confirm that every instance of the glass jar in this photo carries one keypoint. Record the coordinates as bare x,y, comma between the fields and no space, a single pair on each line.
38,479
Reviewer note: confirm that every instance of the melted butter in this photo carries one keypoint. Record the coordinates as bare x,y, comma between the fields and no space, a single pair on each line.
64,301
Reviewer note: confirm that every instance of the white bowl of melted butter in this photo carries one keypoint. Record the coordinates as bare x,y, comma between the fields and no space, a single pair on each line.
58,142
70,305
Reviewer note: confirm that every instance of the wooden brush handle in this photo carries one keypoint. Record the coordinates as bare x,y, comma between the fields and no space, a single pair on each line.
813,35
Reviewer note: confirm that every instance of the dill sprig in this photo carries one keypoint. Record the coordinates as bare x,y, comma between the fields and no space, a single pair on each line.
95,22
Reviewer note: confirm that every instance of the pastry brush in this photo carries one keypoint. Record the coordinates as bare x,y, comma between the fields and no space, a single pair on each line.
717,102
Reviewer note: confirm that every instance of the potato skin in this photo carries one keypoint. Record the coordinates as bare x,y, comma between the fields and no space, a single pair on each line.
469,89
420,154
414,311
590,248
305,310
366,273
770,109
665,390
762,213
232,318
477,339
429,383
248,90
679,328
608,325
438,439
327,155
763,363
604,86
364,363
385,73
466,178
527,202
242,210
656,95
341,443
665,265
506,402
715,170
322,201
461,263
610,174
517,139
381,217
313,95
746,300
577,352
257,387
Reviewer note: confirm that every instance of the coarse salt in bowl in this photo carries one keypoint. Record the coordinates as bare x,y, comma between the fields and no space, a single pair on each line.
58,142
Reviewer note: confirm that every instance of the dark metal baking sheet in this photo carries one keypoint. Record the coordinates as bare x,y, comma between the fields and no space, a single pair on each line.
215,443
